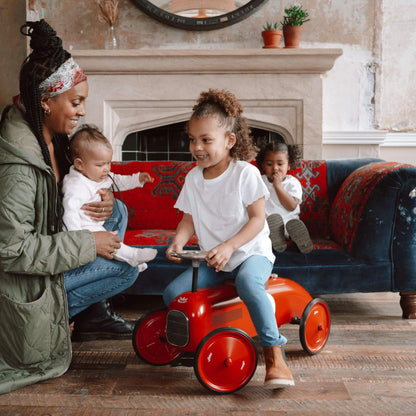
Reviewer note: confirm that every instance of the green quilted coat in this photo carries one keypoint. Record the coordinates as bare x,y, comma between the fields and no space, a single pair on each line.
34,334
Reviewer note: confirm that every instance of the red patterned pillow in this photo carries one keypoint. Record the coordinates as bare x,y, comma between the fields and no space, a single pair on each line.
151,207
315,205
352,197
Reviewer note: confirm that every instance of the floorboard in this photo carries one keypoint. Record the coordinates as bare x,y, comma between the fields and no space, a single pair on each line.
368,367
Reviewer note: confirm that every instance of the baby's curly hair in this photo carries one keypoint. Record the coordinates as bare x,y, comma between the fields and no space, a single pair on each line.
292,151
225,107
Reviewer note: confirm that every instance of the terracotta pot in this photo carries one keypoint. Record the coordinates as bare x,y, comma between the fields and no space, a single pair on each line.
292,36
271,38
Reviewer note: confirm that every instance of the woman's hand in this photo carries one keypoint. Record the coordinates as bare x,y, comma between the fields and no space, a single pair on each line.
106,243
100,210
218,257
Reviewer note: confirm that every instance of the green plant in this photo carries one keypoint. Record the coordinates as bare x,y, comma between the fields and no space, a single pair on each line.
271,26
295,15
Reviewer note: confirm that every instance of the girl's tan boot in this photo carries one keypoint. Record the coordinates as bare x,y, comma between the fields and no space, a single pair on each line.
278,373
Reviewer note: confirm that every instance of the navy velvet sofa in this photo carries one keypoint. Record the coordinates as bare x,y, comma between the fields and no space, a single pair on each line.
361,214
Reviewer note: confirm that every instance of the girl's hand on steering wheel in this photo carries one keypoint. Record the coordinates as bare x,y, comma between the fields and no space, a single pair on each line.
174,248
218,257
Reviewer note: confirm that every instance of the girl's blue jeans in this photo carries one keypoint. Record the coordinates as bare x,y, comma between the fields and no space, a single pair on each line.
250,278
102,278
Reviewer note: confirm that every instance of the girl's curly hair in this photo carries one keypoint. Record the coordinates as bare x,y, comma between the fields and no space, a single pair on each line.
225,107
292,151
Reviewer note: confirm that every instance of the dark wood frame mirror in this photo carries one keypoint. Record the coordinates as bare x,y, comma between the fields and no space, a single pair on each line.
199,23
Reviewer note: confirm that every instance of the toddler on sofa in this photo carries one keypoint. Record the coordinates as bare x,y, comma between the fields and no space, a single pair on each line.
283,206
91,155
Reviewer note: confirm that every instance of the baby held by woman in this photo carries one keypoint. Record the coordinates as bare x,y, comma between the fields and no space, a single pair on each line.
91,155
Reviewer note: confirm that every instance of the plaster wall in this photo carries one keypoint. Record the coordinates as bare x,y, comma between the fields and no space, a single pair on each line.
396,92
369,89
12,48
348,88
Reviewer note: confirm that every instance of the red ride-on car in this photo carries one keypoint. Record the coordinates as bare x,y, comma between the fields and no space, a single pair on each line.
214,325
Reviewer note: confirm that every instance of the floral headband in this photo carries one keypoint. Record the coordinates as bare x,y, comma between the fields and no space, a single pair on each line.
64,78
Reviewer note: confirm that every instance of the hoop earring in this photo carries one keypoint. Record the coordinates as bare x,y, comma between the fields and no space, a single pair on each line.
47,111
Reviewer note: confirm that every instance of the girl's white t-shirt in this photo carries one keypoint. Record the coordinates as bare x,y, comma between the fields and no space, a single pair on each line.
219,209
273,205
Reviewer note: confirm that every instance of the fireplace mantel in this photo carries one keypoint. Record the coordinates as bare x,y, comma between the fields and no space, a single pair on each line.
207,61
280,89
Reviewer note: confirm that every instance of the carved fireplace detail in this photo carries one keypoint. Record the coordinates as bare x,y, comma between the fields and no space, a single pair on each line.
281,90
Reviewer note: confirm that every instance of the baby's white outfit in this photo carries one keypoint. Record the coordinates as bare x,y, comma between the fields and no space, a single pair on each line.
273,205
78,190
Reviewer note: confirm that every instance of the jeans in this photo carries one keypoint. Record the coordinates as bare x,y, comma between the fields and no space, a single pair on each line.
250,278
102,278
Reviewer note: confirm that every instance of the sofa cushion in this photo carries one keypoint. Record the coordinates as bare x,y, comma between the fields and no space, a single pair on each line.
155,237
333,271
319,272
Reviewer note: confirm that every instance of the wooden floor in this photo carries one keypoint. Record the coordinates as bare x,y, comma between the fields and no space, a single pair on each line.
368,367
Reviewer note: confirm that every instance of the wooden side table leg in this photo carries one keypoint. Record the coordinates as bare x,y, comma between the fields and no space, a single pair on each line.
408,304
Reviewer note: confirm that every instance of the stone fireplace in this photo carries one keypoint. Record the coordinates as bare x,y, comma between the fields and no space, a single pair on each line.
280,89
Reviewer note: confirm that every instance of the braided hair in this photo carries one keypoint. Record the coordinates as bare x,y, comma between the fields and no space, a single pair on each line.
225,107
46,57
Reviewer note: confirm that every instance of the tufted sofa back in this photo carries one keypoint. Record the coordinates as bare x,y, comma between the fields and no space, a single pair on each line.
151,207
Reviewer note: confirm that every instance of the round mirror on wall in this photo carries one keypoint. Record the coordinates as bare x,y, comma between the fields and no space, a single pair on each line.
199,14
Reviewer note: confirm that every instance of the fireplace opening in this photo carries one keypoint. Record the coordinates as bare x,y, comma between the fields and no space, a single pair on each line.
170,142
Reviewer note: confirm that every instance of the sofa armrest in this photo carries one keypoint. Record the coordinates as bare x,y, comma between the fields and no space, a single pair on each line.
374,218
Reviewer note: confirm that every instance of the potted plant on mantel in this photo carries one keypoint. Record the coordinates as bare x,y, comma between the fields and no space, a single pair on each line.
295,16
272,34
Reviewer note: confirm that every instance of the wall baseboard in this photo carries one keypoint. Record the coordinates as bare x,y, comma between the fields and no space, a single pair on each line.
400,140
371,137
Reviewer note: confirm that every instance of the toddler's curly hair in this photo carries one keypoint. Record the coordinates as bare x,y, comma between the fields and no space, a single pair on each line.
292,151
225,107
